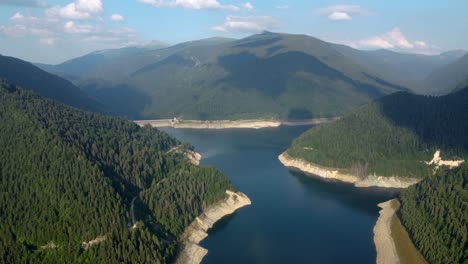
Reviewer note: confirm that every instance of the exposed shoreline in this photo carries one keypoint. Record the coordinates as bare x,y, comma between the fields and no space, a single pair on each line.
383,240
336,174
391,239
226,124
192,252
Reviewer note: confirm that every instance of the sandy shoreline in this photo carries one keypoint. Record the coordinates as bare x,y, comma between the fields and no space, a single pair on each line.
335,174
391,240
192,252
383,240
225,124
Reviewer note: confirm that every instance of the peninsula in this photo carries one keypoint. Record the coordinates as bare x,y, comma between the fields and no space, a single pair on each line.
393,142
427,223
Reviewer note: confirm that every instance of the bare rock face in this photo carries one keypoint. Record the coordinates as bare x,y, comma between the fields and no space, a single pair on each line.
193,157
86,245
192,252
387,182
335,174
438,161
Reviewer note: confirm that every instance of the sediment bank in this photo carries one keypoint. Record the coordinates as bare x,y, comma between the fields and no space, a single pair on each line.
192,252
384,243
341,175
392,242
225,124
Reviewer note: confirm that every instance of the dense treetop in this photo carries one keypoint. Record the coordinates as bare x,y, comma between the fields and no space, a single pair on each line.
393,135
68,176
435,213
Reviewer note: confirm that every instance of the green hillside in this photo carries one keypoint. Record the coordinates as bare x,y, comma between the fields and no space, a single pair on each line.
67,177
75,69
448,78
435,213
267,75
393,135
406,69
49,85
263,76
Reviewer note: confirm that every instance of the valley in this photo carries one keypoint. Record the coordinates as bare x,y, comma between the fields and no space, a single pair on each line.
250,147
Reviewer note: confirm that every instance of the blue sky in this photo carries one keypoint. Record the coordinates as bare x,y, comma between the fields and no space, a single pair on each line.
52,31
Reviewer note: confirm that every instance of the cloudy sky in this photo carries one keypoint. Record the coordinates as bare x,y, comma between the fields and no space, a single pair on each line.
51,31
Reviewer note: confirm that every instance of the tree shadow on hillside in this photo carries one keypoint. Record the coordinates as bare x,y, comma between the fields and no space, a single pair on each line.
299,113
258,42
271,75
440,122
120,100
175,60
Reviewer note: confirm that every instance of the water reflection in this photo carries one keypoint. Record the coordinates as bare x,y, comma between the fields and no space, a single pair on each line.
294,218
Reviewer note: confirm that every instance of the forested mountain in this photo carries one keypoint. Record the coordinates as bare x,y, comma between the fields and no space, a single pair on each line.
461,86
448,78
113,65
68,177
267,75
75,69
409,70
435,213
391,136
49,85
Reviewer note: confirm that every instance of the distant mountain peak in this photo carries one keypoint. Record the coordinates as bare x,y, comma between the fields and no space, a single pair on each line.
155,44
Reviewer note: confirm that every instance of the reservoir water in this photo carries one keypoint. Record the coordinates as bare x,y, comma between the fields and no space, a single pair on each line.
293,218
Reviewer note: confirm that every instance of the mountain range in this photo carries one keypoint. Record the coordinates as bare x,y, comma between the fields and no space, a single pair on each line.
268,75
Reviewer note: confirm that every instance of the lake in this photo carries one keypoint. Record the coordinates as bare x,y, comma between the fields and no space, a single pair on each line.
293,218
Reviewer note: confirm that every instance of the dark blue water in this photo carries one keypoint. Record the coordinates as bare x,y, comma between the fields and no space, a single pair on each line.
293,218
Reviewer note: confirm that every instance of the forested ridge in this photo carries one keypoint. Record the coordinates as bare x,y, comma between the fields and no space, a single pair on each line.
68,176
263,76
435,213
30,77
391,136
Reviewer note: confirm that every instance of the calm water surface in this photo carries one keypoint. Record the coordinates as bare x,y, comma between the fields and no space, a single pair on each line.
293,218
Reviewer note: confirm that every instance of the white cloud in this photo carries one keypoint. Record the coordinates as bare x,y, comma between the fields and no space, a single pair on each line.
190,4
282,7
27,25
392,39
29,3
72,28
249,24
342,12
420,43
13,30
17,16
339,16
399,39
51,29
248,6
63,37
91,6
80,9
376,42
69,12
117,17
